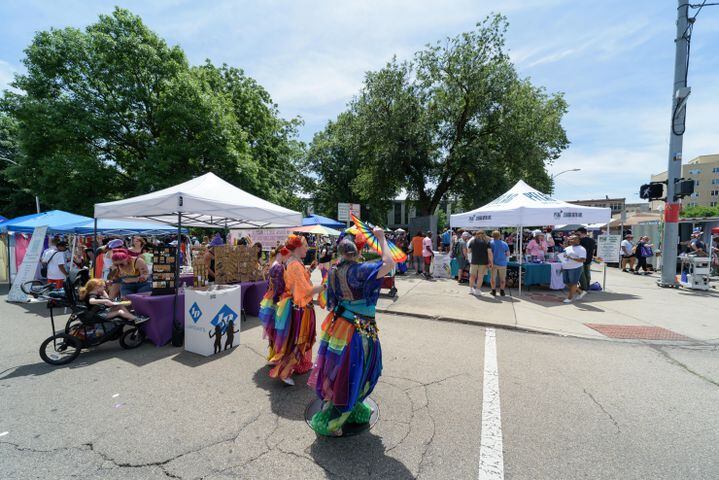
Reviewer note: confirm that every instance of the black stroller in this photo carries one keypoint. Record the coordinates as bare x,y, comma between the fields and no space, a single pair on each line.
85,328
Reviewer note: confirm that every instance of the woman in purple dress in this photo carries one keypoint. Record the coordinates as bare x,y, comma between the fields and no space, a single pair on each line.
268,305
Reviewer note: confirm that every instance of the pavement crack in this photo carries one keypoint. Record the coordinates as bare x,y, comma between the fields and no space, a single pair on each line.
601,407
679,364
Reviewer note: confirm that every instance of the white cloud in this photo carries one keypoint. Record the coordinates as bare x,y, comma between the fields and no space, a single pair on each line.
7,75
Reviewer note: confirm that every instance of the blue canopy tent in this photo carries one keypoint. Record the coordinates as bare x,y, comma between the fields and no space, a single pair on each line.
116,227
51,219
324,221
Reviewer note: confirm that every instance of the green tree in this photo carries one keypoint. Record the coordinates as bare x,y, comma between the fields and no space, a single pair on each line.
700,211
13,200
113,111
455,121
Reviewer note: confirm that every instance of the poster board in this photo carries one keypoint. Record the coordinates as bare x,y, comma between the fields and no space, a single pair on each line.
212,320
28,269
441,267
608,247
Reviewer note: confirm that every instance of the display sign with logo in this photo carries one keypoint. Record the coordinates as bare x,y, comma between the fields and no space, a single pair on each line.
212,320
28,269
608,247
344,209
441,265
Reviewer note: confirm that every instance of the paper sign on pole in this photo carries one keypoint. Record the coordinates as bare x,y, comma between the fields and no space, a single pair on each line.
212,320
344,209
608,247
28,269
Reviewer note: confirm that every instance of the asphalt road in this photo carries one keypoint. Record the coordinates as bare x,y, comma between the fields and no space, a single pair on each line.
570,409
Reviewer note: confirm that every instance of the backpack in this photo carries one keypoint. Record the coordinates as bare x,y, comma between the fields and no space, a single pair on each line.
456,250
43,265
646,251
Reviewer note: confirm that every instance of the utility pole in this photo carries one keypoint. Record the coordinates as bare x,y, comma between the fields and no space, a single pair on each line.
680,92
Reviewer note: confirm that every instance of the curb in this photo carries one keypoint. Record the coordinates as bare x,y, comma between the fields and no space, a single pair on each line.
540,331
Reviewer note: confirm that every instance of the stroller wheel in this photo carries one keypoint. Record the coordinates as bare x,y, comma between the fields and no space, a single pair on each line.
132,338
60,349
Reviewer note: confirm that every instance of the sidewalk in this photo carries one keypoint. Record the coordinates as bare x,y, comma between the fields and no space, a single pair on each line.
630,308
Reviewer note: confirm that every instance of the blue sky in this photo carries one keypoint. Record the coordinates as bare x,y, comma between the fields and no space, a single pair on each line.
613,59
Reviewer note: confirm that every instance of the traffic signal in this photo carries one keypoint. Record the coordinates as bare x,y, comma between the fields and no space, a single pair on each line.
652,191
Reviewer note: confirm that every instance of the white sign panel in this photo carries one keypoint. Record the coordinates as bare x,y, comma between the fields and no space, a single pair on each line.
344,209
608,247
212,320
441,267
268,237
28,269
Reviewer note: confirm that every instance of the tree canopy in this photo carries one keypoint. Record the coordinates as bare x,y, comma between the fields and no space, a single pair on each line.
456,122
112,111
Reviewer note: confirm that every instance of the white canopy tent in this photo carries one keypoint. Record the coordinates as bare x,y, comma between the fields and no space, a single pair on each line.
524,206
206,201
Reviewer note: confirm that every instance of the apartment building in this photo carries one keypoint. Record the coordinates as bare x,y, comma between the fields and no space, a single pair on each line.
616,204
704,170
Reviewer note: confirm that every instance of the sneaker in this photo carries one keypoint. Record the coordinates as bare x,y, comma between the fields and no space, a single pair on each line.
493,293
478,292
140,319
501,292
289,382
582,295
472,291
567,300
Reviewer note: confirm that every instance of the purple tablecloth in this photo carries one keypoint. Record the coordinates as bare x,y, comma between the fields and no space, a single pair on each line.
159,308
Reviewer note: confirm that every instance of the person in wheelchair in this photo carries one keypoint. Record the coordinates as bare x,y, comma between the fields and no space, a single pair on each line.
95,297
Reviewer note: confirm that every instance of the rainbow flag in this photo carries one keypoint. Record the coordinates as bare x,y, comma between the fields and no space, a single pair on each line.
364,230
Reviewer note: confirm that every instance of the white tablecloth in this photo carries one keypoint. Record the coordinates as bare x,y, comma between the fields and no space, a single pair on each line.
556,281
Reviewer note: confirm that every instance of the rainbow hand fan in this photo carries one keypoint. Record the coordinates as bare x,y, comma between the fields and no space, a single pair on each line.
397,254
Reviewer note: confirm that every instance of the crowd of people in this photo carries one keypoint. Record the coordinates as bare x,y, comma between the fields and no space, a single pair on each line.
477,254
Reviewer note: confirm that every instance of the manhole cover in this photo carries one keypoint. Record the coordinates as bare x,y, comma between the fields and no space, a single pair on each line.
636,332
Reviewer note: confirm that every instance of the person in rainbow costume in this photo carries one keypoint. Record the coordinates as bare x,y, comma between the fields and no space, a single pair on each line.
268,305
295,328
349,359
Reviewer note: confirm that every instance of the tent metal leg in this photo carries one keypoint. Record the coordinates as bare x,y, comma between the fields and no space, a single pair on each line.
94,249
519,234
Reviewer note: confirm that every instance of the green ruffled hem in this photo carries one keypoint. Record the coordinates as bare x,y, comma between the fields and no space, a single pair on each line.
325,423
361,413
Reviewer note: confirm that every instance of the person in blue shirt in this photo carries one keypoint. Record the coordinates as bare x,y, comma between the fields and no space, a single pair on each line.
500,252
446,239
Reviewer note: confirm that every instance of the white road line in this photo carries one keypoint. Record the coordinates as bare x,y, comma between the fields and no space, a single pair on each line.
491,459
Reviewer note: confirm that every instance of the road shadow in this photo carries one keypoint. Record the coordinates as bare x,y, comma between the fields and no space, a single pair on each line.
138,357
360,456
285,401
550,298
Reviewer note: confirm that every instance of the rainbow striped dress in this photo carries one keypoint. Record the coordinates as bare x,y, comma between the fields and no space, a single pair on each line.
268,305
349,359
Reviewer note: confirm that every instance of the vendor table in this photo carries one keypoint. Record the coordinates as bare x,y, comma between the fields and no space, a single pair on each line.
541,274
159,308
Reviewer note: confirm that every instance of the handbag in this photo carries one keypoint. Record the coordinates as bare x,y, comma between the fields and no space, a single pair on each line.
43,265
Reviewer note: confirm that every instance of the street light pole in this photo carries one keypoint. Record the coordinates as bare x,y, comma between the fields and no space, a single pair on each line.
674,167
553,176
37,199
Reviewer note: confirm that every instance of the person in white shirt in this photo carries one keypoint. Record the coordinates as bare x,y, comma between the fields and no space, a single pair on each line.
573,259
56,266
628,255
